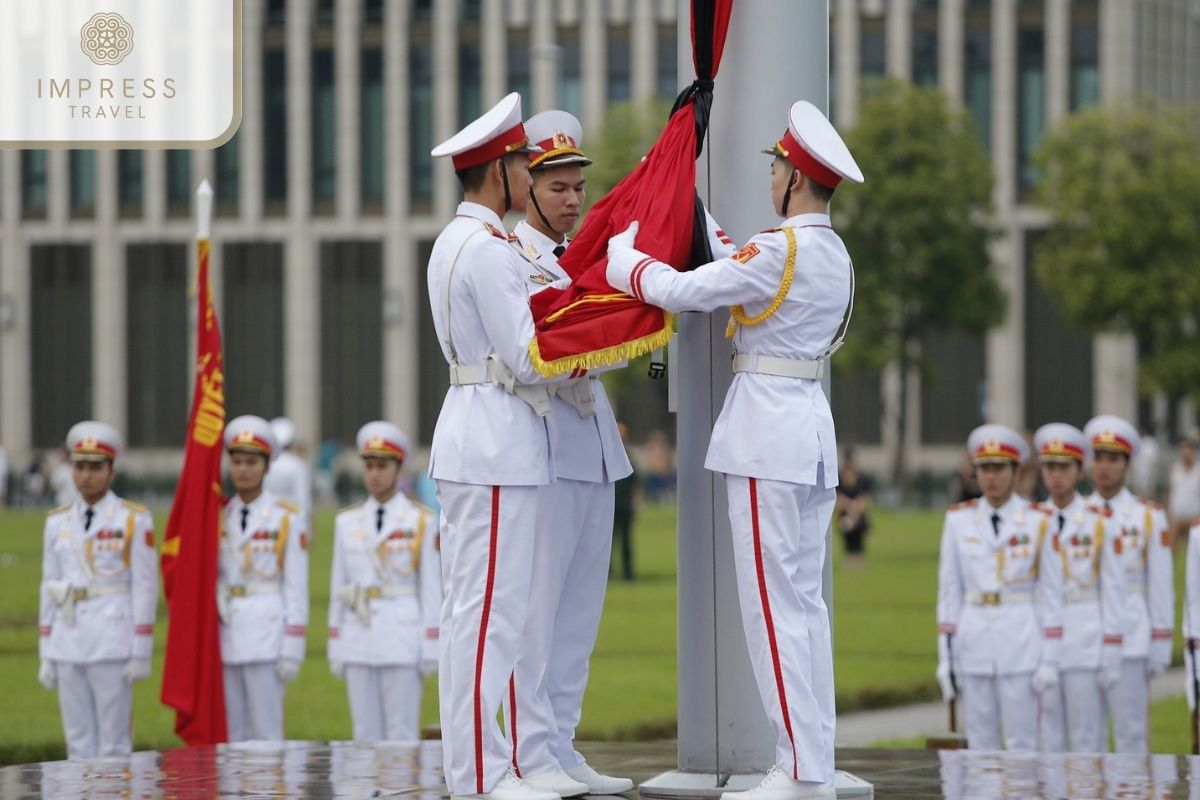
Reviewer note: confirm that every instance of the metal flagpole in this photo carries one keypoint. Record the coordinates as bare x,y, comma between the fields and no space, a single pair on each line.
777,52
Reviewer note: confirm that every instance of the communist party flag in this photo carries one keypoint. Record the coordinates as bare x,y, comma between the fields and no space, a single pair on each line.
192,672
589,324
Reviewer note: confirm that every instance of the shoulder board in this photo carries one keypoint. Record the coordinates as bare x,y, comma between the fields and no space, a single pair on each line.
1039,507
962,505
288,505
1194,522
1095,509
772,230
351,507
424,509
494,231
137,508
1151,503
59,510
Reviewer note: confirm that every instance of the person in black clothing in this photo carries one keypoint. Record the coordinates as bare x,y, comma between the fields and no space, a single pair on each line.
853,498
628,491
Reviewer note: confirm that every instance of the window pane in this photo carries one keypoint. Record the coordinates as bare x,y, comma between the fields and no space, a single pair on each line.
351,337
372,131
157,343
1085,57
83,183
227,176
1031,100
435,379
420,114
619,56
252,329
953,393
856,405
33,183
925,54
872,53
470,80
978,80
668,71
518,63
61,339
275,145
179,181
324,121
129,182
570,84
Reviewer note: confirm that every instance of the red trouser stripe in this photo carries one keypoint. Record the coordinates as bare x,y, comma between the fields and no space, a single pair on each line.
512,719
483,626
766,605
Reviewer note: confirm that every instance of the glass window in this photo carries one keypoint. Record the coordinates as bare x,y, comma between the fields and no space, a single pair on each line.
1031,101
977,85
954,389
226,190
619,56
130,188
324,132
856,405
420,119
1085,55
570,82
518,62
179,182
324,14
667,80
83,183
252,328
435,380
872,53
156,325
422,10
470,10
276,12
351,336
61,339
470,74
373,12
371,164
925,49
275,143
33,184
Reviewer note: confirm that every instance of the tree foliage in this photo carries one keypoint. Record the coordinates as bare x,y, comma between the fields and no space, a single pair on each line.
628,132
1123,252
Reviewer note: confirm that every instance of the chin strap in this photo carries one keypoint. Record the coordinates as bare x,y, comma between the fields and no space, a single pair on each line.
787,194
507,193
538,208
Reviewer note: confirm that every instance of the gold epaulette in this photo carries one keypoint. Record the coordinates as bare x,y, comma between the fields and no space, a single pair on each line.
963,504
1036,506
772,230
1095,509
351,507
136,508
288,505
1146,502
58,510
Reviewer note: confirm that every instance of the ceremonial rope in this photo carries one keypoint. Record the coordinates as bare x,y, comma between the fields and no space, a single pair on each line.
737,314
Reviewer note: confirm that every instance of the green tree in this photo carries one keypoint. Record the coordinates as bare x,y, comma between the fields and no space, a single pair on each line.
628,132
918,231
1123,251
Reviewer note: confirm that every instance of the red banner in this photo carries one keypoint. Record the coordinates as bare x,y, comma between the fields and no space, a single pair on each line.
192,673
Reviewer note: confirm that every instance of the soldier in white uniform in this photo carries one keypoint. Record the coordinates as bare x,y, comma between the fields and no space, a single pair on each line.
490,450
573,539
1191,616
385,595
999,600
98,599
1142,544
262,588
289,478
774,440
1093,599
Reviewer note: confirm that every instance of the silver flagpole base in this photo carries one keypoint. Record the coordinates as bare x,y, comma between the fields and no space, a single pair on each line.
705,785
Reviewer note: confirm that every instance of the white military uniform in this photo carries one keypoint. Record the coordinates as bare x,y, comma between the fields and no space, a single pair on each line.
262,590
99,594
384,606
573,543
1072,714
1140,539
490,453
1000,599
775,443
1191,610
289,477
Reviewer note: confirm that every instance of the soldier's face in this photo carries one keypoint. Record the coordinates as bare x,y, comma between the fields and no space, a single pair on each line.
560,195
1060,477
246,470
518,180
996,481
380,474
1108,471
92,478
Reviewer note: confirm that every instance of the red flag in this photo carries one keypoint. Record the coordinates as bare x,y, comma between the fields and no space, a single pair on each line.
192,673
589,324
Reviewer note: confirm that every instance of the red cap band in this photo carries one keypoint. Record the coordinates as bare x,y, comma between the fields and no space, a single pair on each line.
382,447
1110,441
997,450
512,139
1057,448
804,161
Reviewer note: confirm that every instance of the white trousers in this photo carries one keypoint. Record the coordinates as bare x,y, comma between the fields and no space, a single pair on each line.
487,560
1128,703
95,703
1072,714
254,702
385,702
995,702
779,550
572,546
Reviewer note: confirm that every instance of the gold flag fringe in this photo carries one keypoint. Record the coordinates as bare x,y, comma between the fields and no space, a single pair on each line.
607,356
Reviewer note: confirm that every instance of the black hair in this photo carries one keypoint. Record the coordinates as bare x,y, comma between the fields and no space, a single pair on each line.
472,178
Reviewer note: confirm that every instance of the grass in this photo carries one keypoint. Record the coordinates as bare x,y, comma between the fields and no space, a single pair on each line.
884,639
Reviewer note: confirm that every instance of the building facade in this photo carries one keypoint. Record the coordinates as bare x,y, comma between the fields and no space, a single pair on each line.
327,204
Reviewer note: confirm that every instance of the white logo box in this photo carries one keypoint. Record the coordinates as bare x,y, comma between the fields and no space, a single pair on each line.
120,73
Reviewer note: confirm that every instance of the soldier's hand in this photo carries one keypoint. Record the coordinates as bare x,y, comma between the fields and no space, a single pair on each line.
943,678
1045,677
47,674
136,669
287,669
624,238
338,668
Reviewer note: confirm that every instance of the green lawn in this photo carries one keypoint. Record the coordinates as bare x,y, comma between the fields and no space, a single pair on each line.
884,642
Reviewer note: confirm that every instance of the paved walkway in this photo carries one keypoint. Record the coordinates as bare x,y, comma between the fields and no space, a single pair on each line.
866,728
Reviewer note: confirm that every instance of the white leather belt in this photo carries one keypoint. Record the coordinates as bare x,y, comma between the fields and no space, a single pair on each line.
358,598
780,367
1080,594
66,596
389,590
578,395
497,372
225,592
1006,597
1135,587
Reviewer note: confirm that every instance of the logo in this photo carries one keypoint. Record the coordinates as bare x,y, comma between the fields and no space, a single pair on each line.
106,38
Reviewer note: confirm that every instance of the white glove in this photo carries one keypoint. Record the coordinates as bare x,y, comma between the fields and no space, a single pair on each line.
624,238
136,669
338,668
287,669
1045,677
1110,666
943,678
47,674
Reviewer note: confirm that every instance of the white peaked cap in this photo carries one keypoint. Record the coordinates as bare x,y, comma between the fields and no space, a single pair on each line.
285,432
497,133
813,146
383,440
560,136
991,444
94,441
1112,433
1058,441
250,434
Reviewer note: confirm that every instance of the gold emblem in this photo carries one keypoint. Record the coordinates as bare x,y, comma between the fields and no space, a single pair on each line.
375,444
88,443
106,38
562,140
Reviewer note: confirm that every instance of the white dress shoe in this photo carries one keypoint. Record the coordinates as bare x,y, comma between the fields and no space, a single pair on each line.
510,787
778,785
558,782
597,783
